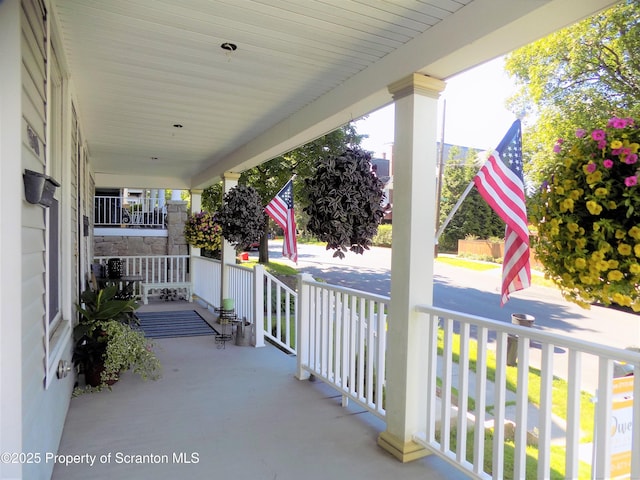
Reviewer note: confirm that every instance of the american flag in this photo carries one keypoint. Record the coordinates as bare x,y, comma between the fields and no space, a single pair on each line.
281,210
500,182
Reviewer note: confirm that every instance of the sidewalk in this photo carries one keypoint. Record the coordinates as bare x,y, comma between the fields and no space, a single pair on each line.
558,426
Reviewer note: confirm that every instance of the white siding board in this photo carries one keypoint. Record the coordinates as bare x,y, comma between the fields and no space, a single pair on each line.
30,160
32,92
33,242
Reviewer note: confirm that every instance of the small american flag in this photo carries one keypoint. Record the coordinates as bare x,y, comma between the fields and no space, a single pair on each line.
280,209
500,182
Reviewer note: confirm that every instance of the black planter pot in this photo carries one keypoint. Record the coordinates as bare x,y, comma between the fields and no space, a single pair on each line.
33,185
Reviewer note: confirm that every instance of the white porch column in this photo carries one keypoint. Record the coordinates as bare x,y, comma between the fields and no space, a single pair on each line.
415,161
196,206
229,180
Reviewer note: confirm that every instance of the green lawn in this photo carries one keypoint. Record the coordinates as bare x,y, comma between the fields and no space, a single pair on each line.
559,408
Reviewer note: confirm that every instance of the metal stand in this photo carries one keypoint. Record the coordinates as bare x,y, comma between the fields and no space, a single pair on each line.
226,319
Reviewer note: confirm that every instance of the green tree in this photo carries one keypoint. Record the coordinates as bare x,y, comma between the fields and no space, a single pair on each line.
474,216
583,74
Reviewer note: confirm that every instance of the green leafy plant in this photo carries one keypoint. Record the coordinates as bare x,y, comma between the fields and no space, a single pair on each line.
242,216
201,230
587,216
345,202
108,341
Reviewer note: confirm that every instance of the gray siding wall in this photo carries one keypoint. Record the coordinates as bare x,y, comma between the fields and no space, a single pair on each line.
43,409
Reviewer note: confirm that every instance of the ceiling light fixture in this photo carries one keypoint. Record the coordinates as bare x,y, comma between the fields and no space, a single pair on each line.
228,48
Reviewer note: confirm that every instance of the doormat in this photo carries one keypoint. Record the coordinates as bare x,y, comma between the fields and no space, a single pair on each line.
186,323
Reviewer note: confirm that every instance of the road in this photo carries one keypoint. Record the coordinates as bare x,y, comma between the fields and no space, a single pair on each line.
473,292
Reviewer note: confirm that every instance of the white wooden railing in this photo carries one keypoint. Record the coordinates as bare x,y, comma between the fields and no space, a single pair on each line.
251,289
342,341
153,268
129,211
280,313
206,277
241,289
493,336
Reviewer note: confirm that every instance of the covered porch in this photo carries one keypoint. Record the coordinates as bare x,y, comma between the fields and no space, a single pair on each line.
237,412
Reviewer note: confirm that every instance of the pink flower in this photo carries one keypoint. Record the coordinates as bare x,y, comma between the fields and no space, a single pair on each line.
631,181
591,167
607,163
598,135
557,148
616,122
602,144
581,132
631,159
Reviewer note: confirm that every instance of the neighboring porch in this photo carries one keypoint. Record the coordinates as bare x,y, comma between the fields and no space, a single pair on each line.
241,410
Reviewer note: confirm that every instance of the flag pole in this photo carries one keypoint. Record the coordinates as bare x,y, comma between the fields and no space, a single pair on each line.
454,210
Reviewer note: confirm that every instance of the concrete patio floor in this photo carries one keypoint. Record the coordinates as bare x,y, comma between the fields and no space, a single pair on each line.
236,412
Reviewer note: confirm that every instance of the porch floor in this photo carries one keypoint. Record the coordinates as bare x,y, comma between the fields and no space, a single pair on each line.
236,412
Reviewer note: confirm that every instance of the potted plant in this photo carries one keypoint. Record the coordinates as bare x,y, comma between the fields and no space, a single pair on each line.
242,216
586,215
345,202
107,340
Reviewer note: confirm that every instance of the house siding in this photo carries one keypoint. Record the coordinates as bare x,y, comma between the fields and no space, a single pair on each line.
38,411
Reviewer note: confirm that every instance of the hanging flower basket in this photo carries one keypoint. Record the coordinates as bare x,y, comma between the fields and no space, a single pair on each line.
588,216
201,230
242,216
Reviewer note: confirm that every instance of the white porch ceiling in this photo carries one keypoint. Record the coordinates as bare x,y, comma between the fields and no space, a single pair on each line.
301,69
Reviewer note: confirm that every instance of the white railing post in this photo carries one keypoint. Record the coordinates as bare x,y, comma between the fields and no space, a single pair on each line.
258,305
302,340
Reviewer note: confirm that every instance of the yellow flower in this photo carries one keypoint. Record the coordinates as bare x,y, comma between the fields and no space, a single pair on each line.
616,144
576,194
621,299
634,268
594,208
573,227
559,190
624,249
615,275
594,177
567,204
636,249
602,265
613,263
601,192
634,232
580,263
612,205
581,242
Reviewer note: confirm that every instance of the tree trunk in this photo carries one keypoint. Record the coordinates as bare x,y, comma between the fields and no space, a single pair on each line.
263,249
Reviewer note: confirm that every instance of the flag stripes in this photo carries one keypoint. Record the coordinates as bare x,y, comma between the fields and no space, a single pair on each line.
500,182
280,209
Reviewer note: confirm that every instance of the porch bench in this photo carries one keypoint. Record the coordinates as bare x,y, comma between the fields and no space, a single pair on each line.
146,288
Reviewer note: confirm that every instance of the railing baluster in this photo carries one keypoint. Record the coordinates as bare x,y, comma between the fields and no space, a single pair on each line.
481,401
546,386
463,392
499,406
445,391
603,419
522,409
573,414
